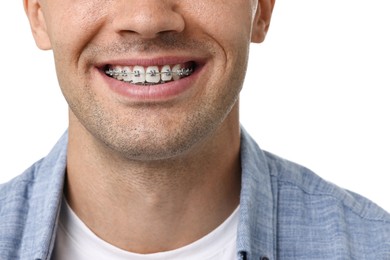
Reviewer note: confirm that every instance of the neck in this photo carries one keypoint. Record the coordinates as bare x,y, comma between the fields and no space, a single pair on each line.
154,206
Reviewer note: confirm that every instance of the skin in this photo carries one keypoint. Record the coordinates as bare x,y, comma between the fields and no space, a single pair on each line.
151,175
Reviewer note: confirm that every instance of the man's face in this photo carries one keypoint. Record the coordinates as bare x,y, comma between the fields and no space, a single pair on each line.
122,67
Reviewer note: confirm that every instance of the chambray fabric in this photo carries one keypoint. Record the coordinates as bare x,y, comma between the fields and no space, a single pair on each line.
286,212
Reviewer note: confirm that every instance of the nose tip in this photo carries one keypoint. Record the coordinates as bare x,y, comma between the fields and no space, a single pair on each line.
148,18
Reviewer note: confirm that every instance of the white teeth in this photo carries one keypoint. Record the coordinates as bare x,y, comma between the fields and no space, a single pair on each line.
119,69
127,74
175,71
139,74
166,73
152,74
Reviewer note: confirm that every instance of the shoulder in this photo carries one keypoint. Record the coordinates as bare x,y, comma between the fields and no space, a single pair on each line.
17,190
29,204
294,177
15,203
312,209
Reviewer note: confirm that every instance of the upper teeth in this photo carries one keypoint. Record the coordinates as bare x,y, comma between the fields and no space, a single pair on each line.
149,75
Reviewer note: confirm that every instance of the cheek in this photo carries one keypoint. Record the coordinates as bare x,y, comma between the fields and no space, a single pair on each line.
72,27
75,22
228,25
225,21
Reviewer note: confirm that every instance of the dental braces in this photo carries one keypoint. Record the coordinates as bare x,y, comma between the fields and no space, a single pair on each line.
153,73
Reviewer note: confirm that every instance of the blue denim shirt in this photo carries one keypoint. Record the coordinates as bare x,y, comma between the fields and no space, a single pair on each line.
286,212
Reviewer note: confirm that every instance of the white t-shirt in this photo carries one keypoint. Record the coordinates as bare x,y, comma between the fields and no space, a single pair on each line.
75,241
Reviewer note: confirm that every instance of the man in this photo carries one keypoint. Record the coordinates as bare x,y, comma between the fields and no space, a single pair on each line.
154,164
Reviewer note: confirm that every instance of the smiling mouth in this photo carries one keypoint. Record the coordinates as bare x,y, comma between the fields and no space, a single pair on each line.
150,75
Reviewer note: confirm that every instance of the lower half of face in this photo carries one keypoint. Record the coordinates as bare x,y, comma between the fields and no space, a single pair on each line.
154,129
181,92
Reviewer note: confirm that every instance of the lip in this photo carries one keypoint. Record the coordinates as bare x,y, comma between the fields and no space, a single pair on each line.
152,93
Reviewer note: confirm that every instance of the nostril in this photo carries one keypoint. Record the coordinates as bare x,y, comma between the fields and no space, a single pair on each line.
147,19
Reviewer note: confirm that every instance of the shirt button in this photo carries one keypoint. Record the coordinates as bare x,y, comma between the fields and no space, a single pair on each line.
264,258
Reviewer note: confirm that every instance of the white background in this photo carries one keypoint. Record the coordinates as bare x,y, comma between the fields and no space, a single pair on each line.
317,92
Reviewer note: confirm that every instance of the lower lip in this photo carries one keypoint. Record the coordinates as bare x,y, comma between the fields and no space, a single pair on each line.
160,92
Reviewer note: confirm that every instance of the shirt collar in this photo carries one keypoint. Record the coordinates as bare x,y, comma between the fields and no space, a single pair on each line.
256,237
49,177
